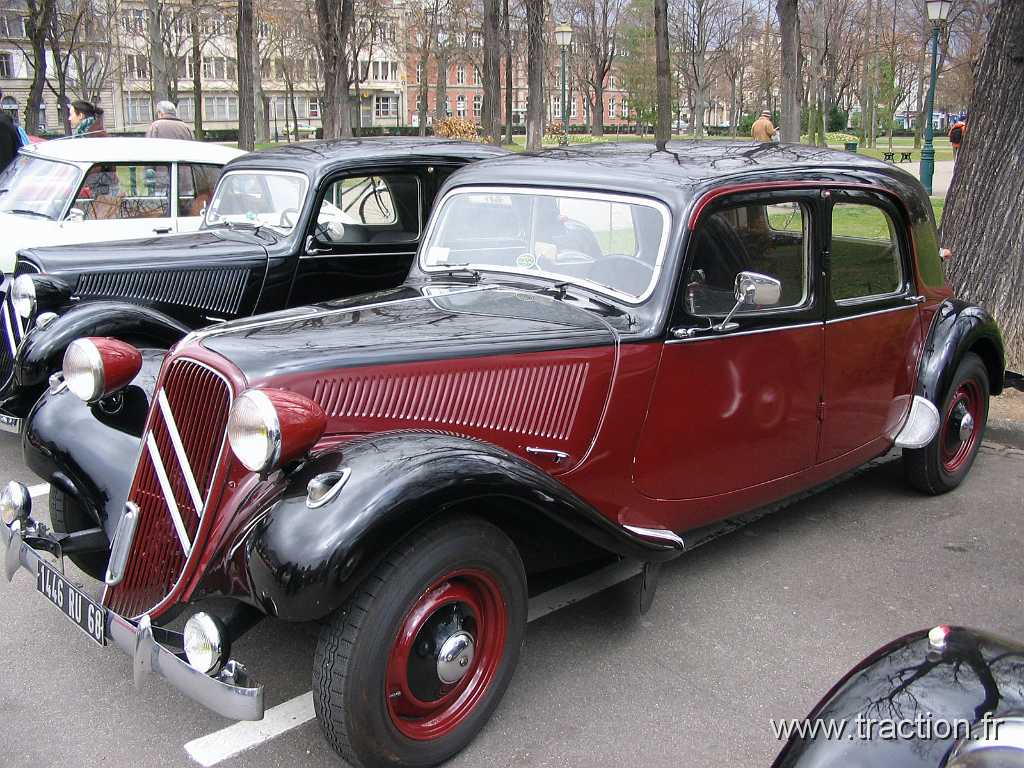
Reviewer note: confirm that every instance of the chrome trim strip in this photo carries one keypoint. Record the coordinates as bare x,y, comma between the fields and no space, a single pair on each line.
121,546
7,327
179,452
921,426
17,319
900,308
332,491
712,336
165,486
661,534
313,257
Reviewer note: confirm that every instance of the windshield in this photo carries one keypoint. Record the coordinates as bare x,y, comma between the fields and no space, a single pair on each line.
258,198
612,243
37,186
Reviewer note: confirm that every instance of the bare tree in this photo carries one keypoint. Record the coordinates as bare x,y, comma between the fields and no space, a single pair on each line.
334,24
789,23
507,29
491,106
246,106
663,128
37,25
596,36
535,13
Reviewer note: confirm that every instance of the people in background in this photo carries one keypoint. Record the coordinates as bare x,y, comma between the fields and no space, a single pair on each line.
10,141
957,134
763,129
168,125
86,119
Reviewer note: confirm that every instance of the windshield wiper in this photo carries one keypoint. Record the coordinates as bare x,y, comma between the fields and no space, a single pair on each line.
560,292
462,270
27,212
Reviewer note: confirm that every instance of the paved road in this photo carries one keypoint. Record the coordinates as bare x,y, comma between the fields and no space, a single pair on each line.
756,625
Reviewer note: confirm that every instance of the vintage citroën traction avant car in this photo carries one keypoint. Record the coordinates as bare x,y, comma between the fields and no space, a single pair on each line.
603,352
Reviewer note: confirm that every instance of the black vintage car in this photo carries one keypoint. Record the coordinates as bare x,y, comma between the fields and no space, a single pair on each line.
284,227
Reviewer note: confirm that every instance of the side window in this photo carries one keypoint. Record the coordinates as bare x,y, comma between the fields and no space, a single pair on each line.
195,187
371,209
125,191
865,253
769,238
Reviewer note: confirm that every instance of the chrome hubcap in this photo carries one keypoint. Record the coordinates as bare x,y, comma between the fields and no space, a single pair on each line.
455,656
966,426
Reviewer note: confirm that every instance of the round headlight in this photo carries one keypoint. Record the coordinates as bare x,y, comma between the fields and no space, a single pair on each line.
83,369
23,296
15,503
254,430
206,643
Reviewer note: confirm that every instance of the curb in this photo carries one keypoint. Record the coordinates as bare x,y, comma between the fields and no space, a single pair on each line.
1005,432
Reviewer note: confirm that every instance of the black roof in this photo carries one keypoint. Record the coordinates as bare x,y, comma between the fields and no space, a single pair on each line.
314,156
675,173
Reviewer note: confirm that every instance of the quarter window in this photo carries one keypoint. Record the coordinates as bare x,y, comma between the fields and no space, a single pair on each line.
865,253
371,209
771,239
195,187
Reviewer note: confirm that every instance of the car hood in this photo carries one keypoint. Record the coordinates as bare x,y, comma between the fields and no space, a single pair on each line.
406,324
20,231
195,248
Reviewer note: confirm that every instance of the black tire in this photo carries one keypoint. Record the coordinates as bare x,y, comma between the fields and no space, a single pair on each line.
933,469
356,647
66,516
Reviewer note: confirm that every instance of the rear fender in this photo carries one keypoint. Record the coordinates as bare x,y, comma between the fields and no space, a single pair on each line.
304,562
42,351
959,328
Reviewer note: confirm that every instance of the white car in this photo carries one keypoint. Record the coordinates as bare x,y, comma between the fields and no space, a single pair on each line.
94,190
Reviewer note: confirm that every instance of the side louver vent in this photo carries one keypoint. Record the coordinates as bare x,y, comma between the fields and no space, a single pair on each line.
210,290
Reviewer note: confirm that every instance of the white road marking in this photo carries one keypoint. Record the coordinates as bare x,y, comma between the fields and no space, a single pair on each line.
35,491
242,736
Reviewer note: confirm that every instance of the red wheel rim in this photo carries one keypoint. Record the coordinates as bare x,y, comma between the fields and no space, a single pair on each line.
961,426
466,602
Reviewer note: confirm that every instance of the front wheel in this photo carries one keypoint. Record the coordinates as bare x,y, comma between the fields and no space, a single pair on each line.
67,516
943,464
411,668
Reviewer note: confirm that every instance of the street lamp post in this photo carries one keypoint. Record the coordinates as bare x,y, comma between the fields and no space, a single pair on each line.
938,12
563,37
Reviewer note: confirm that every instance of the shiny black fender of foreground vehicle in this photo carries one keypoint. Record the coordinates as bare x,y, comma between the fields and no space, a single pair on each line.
950,697
283,227
602,353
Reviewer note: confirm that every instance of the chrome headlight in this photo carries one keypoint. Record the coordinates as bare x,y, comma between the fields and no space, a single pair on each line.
15,503
206,643
23,296
254,430
83,370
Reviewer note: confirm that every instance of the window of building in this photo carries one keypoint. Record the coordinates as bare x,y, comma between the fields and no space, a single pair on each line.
419,72
6,66
385,70
573,107
476,76
9,104
460,74
186,108
139,109
611,107
625,108
384,33
42,118
134,21
219,68
556,107
136,66
477,106
314,108
221,107
476,40
460,105
12,25
385,106
185,68
215,25
865,253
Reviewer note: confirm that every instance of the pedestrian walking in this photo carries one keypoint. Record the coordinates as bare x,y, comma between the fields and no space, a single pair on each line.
763,129
957,134
86,120
168,125
10,141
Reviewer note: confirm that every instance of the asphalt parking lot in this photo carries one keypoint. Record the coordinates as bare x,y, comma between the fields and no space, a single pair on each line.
753,626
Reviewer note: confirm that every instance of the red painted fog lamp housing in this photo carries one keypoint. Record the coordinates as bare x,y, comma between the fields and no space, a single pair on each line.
95,367
270,427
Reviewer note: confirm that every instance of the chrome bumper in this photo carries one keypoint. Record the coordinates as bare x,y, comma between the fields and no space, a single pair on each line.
9,423
231,693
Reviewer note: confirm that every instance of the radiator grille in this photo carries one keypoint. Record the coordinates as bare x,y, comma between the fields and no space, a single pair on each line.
13,332
211,290
534,400
172,474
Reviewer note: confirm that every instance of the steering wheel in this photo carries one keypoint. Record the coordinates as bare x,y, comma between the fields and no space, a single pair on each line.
284,220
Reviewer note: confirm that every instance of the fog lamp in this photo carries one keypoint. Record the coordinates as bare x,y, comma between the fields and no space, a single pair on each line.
15,503
206,643
23,296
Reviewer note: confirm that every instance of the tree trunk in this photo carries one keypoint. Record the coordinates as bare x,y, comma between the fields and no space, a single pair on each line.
197,72
983,223
865,83
508,73
261,127
597,119
663,127
37,23
535,74
157,57
490,113
699,75
422,90
789,23
334,25
441,86
246,105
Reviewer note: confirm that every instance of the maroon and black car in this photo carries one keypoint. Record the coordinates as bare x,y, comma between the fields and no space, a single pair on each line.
601,352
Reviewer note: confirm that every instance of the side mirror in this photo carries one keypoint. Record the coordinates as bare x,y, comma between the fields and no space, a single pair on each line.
752,289
76,214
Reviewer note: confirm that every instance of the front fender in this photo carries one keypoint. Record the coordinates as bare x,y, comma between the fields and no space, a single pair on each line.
86,451
42,351
959,328
303,563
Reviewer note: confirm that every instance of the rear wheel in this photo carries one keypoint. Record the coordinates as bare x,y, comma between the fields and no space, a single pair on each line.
67,516
943,464
413,666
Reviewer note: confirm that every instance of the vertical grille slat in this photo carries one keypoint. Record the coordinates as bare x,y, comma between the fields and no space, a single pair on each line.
198,401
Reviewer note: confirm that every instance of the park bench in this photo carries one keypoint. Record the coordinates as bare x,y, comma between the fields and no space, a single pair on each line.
890,157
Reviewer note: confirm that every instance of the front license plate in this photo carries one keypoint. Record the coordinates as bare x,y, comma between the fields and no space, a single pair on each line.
90,617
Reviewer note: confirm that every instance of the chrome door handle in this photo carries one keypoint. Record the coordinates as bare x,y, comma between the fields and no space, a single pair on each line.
161,230
917,299
556,456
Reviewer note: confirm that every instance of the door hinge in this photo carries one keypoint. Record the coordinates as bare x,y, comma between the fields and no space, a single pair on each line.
821,410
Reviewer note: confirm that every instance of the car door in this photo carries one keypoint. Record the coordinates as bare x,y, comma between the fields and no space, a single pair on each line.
123,200
872,333
364,235
195,185
736,407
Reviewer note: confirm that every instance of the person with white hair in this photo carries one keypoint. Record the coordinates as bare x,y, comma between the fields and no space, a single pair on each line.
168,125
